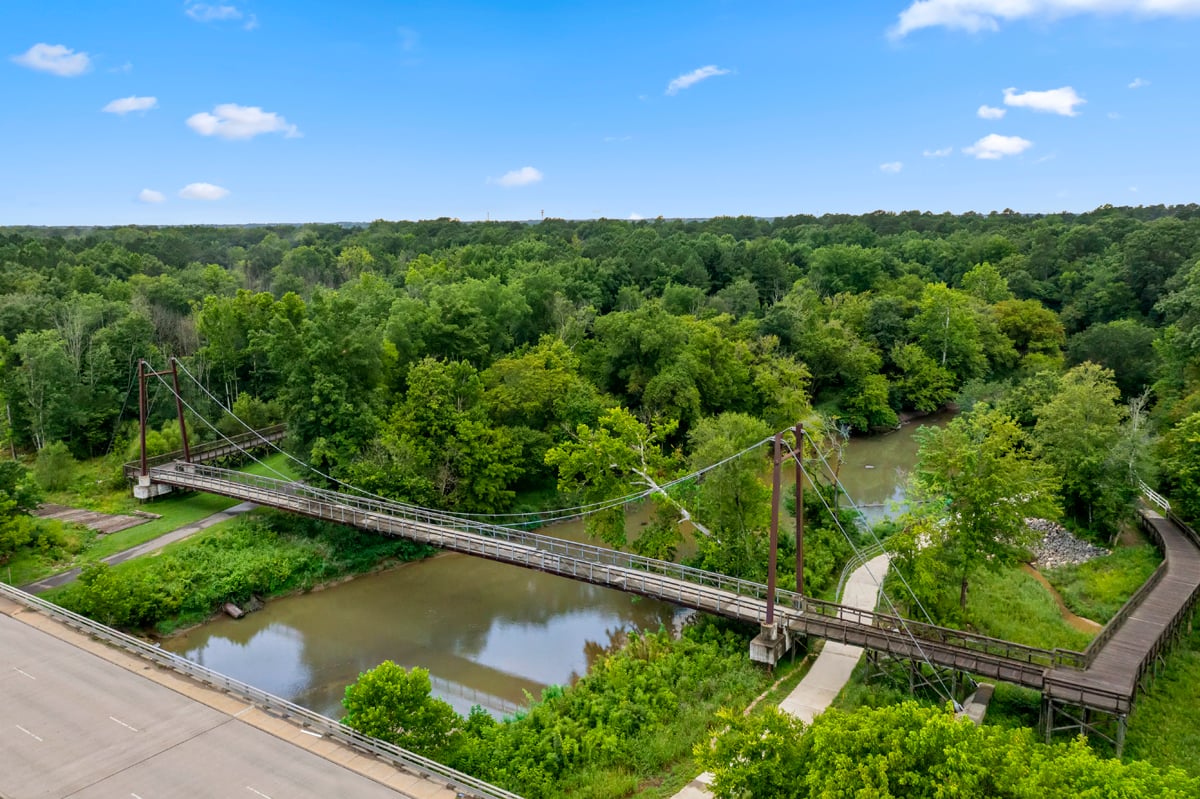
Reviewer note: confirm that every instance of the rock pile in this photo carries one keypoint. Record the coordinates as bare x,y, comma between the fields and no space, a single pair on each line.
1058,547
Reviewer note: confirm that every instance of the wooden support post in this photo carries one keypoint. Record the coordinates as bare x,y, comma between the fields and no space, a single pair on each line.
776,480
187,451
142,412
800,508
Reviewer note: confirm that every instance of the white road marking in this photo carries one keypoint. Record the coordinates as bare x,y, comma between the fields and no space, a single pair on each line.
260,793
27,674
246,709
123,724
27,732
313,734
135,796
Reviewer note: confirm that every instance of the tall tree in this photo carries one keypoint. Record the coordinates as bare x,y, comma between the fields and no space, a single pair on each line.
976,483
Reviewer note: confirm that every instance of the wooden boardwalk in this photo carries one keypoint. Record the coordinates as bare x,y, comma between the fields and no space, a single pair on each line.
1105,677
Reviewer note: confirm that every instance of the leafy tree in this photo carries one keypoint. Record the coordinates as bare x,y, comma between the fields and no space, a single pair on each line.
732,502
19,495
947,328
1125,346
395,705
618,456
975,483
54,467
1077,432
1180,453
922,384
986,284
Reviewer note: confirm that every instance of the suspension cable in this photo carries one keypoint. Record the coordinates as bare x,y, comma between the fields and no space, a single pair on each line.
537,517
882,591
870,530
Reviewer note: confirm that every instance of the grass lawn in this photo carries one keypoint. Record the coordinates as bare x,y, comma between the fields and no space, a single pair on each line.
1014,606
89,491
1164,727
1097,589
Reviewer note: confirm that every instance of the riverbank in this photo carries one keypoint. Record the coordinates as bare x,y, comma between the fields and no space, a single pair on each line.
267,555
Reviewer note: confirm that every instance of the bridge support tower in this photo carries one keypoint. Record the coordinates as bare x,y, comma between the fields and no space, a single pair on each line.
145,488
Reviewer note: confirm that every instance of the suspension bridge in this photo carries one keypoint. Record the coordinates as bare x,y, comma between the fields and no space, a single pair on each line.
1077,688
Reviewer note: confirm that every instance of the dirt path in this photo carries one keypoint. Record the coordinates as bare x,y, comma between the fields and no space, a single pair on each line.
1078,622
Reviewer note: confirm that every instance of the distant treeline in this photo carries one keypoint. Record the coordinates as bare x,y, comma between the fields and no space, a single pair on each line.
441,361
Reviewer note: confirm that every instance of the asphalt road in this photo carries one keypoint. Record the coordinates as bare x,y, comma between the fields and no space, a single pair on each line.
73,724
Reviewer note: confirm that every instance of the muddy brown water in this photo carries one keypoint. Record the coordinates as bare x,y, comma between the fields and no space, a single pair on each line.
488,633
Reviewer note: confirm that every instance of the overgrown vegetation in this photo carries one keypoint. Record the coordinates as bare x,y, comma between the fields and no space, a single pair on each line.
1097,589
1013,606
639,711
266,554
907,750
1164,726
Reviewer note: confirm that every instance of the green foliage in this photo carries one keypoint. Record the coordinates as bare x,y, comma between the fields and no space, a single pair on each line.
1097,589
909,750
395,705
1013,606
977,483
638,710
1078,431
1180,449
19,495
54,467
261,555
1164,727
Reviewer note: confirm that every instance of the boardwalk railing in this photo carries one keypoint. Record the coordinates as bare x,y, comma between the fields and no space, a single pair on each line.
411,762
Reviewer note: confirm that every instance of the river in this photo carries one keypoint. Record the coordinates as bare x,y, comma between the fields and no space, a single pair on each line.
489,633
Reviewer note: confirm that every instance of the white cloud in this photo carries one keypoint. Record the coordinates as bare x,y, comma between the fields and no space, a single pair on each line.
891,167
152,196
203,191
636,217
127,104
1052,101
524,176
986,15
994,146
233,121
203,12
1113,115
991,112
56,59
1138,83
940,153
695,76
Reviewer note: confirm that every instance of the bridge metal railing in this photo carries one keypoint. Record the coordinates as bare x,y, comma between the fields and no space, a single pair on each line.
210,450
411,762
687,585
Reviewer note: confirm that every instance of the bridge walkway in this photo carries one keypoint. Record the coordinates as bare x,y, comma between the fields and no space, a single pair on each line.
1121,658
671,582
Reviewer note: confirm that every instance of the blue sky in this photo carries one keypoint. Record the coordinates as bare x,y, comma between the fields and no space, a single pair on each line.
270,111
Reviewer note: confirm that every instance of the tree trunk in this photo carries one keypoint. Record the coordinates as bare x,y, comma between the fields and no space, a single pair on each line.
962,595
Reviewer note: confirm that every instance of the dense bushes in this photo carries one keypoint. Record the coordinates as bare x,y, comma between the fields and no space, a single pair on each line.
266,554
909,750
638,710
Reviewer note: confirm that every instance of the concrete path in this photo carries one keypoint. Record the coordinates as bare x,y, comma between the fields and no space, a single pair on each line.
831,670
178,534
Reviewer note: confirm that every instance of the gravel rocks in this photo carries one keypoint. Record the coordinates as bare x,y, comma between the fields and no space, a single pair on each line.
1059,548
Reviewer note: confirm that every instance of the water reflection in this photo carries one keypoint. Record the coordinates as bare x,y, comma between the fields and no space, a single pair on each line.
487,632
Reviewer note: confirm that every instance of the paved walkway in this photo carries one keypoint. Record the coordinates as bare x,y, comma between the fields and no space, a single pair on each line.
178,534
831,670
